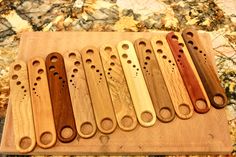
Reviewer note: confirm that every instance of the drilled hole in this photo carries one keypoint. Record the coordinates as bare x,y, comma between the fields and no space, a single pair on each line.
92,66
219,99
46,138
142,43
134,66
159,43
146,116
86,128
181,45
72,75
110,69
145,63
97,70
107,124
190,42
204,54
89,51
55,73
129,61
181,51
40,71
25,142
18,83
14,77
72,55
88,61
147,58
169,61
33,88
184,109
108,49
164,57
54,59
159,51
201,104
25,90
174,37
77,63
127,121
179,56
112,63
190,34
165,113
22,87
125,46
113,57
60,78
148,51
17,67
51,68
195,47
35,84
36,63
66,132
75,70
200,51
38,78
124,55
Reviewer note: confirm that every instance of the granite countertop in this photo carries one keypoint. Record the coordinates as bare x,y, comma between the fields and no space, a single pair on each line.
216,16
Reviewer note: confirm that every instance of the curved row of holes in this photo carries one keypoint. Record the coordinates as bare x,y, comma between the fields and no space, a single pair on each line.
75,70
113,57
40,71
159,43
125,56
52,69
190,42
147,57
180,50
93,67
15,77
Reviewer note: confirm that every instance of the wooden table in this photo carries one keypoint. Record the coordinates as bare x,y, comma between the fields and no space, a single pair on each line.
201,134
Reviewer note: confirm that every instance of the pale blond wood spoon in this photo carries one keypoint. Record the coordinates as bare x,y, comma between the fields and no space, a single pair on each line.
136,83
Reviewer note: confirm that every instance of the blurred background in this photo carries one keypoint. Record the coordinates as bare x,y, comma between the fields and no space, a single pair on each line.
215,16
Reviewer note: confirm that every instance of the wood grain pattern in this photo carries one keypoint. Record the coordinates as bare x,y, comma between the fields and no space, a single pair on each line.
121,99
155,82
100,96
205,69
174,82
41,103
188,72
60,98
202,134
136,83
79,93
22,114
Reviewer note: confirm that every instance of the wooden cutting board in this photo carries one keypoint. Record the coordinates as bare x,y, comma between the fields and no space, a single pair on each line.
201,134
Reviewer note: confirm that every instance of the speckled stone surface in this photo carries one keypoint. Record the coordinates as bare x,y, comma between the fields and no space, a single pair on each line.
216,16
